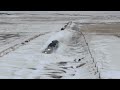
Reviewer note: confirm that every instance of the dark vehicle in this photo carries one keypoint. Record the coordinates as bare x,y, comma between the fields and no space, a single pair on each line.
64,26
51,47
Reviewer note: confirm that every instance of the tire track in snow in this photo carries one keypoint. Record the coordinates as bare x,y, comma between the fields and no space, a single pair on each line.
14,47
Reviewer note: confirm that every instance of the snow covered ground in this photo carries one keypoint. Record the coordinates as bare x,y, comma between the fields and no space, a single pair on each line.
88,47
106,52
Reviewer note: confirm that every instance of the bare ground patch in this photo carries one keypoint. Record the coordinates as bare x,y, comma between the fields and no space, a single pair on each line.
101,29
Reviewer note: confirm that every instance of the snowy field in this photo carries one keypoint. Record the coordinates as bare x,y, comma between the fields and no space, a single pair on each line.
88,48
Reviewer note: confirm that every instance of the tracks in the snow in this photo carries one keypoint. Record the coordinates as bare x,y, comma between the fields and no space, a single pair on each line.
19,44
82,67
75,68
91,56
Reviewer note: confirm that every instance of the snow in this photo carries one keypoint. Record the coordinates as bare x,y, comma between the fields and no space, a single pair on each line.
106,53
34,58
28,61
